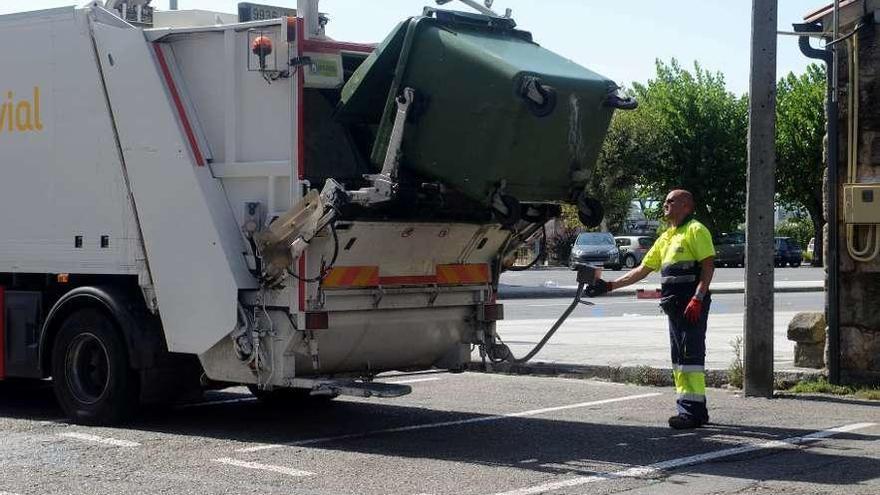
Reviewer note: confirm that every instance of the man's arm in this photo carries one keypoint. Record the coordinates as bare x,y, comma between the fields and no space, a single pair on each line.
706,274
633,276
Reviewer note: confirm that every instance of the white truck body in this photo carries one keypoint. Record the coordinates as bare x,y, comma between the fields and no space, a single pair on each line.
145,154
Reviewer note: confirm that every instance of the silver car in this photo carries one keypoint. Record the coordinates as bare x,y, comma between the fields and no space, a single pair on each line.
595,249
633,249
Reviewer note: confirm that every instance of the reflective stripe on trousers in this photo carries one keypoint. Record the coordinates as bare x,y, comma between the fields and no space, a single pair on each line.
690,385
680,279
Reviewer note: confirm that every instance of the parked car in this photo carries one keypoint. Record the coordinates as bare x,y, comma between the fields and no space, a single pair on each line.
633,248
596,249
788,252
730,249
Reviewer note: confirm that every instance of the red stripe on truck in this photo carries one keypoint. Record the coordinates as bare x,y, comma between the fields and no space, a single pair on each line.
470,274
178,104
300,145
321,46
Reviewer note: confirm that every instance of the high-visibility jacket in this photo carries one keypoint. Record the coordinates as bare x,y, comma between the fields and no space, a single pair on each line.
677,253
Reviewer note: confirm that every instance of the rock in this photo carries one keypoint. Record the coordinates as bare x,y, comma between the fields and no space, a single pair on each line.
860,349
807,327
809,355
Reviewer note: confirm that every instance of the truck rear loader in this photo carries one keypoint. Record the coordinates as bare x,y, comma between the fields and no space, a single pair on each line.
193,201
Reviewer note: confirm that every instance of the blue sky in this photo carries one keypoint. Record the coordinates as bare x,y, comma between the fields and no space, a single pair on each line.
620,40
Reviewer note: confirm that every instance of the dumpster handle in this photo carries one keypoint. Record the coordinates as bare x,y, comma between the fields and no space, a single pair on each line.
621,103
540,98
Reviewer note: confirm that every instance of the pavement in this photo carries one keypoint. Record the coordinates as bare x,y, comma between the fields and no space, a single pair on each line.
462,434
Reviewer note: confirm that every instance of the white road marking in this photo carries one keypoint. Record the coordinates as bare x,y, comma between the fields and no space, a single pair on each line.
264,467
216,402
8,493
442,424
654,469
102,440
413,380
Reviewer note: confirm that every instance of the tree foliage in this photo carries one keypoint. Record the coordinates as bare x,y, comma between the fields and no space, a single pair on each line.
690,132
800,131
799,229
615,177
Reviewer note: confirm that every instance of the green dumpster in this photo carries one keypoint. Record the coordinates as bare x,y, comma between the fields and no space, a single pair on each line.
494,111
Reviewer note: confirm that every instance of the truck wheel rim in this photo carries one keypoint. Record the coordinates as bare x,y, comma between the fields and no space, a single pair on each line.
88,365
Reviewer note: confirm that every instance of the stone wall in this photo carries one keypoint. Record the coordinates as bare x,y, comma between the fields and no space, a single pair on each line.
860,282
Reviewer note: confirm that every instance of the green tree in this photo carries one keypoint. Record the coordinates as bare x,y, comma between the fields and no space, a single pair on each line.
800,131
798,228
615,177
690,131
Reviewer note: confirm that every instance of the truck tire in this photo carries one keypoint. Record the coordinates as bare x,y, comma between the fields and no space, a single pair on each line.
90,370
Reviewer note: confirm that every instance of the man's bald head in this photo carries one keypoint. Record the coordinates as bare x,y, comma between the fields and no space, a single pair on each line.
686,197
678,205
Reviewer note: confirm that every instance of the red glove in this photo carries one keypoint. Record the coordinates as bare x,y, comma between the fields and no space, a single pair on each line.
693,310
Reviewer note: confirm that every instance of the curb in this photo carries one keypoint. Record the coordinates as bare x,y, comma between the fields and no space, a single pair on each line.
551,293
639,375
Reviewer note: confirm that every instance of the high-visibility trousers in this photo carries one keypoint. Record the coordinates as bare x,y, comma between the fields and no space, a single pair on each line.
688,343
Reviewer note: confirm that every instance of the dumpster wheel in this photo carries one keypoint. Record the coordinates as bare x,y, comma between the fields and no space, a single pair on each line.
590,211
508,212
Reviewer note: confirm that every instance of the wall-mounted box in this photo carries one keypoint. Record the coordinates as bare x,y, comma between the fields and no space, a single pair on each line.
861,203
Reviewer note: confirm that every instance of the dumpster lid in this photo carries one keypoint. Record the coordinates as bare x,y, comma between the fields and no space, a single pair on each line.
365,95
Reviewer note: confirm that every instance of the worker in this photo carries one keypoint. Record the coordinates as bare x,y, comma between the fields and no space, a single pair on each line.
685,255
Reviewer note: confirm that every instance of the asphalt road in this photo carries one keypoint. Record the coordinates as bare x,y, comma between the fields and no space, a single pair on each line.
560,277
455,434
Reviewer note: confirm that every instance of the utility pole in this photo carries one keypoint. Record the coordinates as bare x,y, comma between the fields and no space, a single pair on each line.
758,348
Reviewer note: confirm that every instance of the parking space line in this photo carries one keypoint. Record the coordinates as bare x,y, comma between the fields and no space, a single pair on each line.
414,380
100,440
442,424
654,469
264,467
216,402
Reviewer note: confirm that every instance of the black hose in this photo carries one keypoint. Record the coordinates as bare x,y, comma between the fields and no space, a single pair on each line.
571,307
324,271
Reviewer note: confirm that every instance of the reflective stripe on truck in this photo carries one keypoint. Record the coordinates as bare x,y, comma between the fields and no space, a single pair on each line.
344,277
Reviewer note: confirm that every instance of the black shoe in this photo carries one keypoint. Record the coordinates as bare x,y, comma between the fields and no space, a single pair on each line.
682,422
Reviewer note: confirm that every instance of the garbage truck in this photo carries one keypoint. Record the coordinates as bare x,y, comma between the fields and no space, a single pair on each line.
195,199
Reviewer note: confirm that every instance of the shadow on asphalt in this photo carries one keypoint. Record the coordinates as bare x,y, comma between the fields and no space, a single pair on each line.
563,447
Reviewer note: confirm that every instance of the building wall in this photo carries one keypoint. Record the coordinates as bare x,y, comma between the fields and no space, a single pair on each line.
860,281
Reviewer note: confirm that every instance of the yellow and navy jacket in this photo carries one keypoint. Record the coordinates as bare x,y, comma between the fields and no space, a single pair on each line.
677,253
